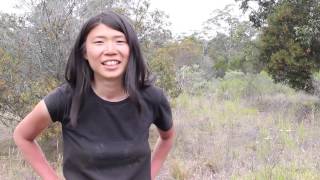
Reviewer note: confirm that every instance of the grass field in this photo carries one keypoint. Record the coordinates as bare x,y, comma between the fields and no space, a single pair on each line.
241,127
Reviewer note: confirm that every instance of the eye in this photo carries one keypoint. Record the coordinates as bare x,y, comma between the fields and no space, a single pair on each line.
121,41
98,42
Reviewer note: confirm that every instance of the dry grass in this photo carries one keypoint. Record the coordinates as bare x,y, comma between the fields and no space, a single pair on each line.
267,138
257,131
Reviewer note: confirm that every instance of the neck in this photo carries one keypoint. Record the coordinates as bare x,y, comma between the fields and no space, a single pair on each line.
110,90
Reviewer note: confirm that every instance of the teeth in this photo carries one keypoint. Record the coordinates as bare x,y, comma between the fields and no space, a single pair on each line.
110,63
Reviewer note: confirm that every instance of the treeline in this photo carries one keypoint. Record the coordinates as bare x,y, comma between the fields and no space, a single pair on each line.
281,38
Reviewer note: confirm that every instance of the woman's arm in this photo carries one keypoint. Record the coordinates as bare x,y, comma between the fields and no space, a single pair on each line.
161,150
24,136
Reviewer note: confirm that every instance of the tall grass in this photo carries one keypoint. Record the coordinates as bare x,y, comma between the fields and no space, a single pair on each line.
246,127
239,127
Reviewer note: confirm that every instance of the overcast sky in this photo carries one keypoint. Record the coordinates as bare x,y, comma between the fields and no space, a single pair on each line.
185,16
188,16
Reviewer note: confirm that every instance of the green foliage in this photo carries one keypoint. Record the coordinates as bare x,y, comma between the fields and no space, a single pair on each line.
162,65
236,85
220,67
233,86
289,43
235,47
258,17
9,78
175,55
19,93
185,51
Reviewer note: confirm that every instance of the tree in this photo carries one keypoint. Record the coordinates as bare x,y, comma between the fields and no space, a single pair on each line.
173,56
51,33
290,41
49,27
18,95
163,67
8,78
258,17
234,45
186,51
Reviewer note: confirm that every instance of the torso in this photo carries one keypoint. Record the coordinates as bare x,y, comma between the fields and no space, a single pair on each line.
110,140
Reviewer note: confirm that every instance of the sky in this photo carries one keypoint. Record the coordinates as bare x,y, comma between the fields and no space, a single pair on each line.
188,16
185,16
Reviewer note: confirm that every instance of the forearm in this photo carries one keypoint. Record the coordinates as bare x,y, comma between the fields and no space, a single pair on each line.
159,154
34,155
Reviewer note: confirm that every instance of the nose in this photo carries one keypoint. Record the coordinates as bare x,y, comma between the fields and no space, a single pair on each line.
109,48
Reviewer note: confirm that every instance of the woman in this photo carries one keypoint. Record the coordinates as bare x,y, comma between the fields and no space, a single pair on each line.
105,107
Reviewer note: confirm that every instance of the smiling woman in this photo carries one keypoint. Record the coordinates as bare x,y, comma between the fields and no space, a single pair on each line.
106,108
107,52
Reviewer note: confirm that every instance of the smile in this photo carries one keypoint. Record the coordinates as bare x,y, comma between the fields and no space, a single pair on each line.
111,62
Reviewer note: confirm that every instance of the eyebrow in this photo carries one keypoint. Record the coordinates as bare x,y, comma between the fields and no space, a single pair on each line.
116,36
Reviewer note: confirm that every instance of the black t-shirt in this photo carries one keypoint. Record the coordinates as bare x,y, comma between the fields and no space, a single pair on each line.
110,140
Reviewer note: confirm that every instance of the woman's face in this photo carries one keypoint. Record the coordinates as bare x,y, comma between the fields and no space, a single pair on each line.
107,52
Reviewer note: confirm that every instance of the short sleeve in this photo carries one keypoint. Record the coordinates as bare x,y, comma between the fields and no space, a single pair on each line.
56,102
163,118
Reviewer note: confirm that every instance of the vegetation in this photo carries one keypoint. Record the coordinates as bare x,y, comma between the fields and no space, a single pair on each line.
289,40
245,94
247,127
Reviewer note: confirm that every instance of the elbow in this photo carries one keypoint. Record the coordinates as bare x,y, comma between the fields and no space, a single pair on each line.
18,137
168,135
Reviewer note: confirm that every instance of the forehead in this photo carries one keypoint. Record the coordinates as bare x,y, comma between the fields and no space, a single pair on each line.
102,30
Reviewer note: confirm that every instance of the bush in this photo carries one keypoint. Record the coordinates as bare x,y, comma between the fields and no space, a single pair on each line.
237,85
192,80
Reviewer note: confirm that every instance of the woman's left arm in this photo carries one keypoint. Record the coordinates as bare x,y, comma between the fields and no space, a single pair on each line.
161,150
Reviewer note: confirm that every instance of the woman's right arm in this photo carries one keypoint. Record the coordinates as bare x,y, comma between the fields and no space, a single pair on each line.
24,136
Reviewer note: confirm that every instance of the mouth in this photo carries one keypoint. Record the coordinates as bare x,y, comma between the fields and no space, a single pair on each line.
111,62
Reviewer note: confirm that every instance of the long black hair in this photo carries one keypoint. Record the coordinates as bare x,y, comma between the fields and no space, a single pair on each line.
79,74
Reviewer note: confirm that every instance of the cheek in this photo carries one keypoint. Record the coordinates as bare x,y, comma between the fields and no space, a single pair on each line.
126,52
93,52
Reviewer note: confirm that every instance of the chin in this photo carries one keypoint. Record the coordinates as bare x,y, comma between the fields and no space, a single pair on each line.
113,77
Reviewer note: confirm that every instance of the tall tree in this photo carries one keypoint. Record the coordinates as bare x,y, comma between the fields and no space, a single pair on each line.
50,35
258,17
234,46
290,41
174,55
50,27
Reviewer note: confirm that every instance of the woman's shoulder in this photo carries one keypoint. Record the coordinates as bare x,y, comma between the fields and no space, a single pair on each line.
61,92
58,102
65,89
153,93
